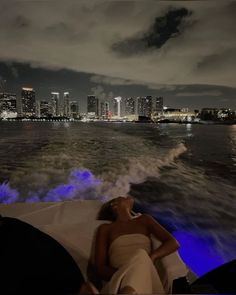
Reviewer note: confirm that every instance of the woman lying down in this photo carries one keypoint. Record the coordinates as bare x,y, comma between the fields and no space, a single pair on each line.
123,254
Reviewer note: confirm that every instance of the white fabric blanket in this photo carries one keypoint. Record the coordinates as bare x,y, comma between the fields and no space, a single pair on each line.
73,224
130,255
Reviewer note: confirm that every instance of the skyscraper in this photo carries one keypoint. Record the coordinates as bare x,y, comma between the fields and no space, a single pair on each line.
118,104
158,104
145,106
28,102
129,106
55,108
105,109
44,109
66,100
74,109
92,104
8,104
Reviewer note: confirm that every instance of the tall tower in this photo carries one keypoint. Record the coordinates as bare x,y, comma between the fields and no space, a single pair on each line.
28,102
74,109
92,104
55,109
105,109
145,106
129,106
44,109
118,100
158,104
66,100
8,106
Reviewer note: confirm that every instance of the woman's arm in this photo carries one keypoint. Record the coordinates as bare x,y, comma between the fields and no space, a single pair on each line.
101,253
169,243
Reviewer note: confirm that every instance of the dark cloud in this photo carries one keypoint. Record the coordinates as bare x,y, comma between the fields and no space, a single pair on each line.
164,28
21,22
217,62
178,42
80,85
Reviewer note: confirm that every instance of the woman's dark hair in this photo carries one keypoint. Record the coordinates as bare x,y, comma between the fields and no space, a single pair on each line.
106,212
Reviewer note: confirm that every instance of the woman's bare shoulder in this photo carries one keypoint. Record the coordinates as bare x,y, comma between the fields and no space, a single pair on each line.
104,228
144,217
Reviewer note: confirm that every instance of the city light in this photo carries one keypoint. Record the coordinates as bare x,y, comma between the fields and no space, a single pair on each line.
27,89
147,109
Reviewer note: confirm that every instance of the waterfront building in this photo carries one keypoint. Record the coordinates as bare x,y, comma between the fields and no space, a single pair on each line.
129,106
178,115
115,108
104,109
158,104
215,114
55,104
28,102
209,114
118,100
74,109
66,101
44,109
145,106
92,105
8,105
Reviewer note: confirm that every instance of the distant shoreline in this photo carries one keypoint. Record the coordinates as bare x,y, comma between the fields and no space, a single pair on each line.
118,121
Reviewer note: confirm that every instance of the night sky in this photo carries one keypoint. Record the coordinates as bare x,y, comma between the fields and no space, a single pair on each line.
184,51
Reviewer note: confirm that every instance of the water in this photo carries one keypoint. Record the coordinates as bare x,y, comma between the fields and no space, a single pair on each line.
184,175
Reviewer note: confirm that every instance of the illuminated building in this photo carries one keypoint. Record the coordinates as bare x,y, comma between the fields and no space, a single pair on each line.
129,106
44,108
209,114
8,102
92,105
66,101
8,105
118,100
55,108
158,104
74,109
178,115
28,102
145,106
105,109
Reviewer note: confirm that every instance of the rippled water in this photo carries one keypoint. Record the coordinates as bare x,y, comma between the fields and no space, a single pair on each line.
182,174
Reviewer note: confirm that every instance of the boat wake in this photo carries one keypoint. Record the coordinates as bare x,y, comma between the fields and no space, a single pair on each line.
82,184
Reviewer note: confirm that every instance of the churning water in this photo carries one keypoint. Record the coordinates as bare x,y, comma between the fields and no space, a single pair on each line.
184,175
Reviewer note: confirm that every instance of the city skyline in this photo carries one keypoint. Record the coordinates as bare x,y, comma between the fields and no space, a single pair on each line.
131,109
177,97
173,49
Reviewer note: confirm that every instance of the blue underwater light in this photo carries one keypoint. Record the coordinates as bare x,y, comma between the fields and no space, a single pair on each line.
199,253
81,184
7,194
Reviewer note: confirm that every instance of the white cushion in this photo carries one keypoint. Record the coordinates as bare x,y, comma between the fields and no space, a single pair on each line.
39,214
170,267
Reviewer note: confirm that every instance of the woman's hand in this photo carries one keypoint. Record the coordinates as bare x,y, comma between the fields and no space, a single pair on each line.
168,243
153,256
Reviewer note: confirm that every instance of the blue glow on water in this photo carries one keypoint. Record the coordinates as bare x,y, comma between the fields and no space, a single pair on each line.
81,184
32,199
7,194
199,253
60,193
81,175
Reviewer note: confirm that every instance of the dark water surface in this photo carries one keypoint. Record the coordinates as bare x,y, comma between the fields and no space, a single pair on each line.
185,175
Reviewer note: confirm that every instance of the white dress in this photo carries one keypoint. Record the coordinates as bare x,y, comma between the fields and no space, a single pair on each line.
130,254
